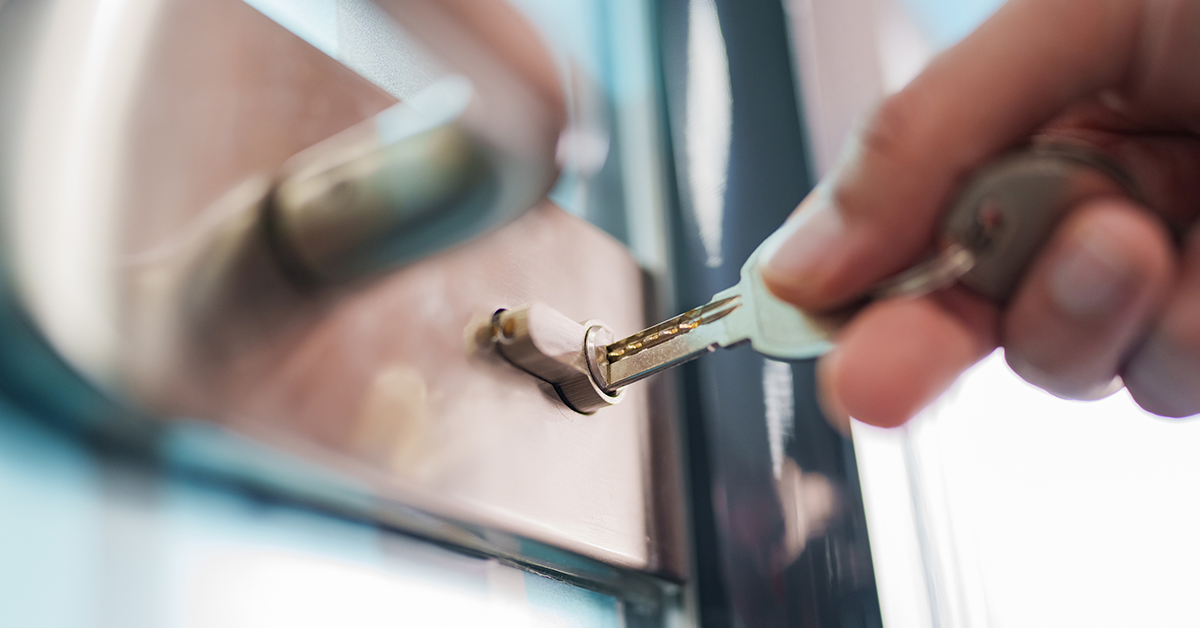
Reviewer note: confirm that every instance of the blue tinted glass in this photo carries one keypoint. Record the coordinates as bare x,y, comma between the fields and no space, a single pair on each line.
947,21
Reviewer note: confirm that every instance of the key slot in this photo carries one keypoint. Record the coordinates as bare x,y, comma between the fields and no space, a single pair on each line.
557,350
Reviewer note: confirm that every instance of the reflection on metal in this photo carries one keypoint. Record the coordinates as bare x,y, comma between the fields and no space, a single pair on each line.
682,324
380,385
931,275
708,125
314,21
393,420
1009,209
557,350
686,340
369,380
583,150
68,133
409,182
370,43
363,37
678,326
809,502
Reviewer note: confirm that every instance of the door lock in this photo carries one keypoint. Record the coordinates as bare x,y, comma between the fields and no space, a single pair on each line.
565,354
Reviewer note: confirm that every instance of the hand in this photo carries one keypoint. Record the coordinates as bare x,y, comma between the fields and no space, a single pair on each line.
1110,300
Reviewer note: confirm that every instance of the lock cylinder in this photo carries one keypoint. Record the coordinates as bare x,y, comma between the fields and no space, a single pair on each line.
561,352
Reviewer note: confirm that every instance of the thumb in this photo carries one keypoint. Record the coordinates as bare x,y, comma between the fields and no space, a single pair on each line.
878,212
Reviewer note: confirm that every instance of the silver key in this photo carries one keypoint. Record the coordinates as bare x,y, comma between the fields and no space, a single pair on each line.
991,234
747,312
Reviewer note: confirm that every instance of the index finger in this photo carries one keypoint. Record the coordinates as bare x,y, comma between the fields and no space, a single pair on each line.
1023,66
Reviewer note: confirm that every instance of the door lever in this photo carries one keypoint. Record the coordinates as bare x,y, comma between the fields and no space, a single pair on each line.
405,184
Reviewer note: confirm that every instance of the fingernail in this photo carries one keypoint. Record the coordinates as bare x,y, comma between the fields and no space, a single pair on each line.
797,253
1092,278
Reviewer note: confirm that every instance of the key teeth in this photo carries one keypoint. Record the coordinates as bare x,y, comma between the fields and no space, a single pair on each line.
682,324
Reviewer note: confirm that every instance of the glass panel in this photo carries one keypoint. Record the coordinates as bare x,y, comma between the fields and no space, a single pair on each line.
124,546
780,533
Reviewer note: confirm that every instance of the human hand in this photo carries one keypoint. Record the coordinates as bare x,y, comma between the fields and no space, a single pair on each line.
1110,300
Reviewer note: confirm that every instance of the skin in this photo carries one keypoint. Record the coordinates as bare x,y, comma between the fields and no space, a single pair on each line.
1112,300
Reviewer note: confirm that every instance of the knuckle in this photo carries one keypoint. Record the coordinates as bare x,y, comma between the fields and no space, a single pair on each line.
894,130
884,155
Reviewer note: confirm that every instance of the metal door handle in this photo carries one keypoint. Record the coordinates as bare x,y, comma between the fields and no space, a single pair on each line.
407,183
468,154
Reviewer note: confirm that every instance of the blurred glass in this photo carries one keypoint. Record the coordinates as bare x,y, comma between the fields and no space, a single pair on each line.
89,540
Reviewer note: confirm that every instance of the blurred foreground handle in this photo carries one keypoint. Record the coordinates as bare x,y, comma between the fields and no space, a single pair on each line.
469,153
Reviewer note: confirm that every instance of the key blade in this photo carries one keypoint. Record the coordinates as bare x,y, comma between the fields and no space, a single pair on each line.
669,343
746,312
777,329
710,312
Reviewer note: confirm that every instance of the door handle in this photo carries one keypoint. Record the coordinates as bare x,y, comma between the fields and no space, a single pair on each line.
411,181
468,154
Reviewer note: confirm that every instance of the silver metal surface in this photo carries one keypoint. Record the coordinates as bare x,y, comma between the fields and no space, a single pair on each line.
548,345
667,344
391,385
413,180
135,246
1009,209
935,273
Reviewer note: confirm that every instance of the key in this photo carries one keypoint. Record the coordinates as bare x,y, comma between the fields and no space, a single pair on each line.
988,238
747,312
